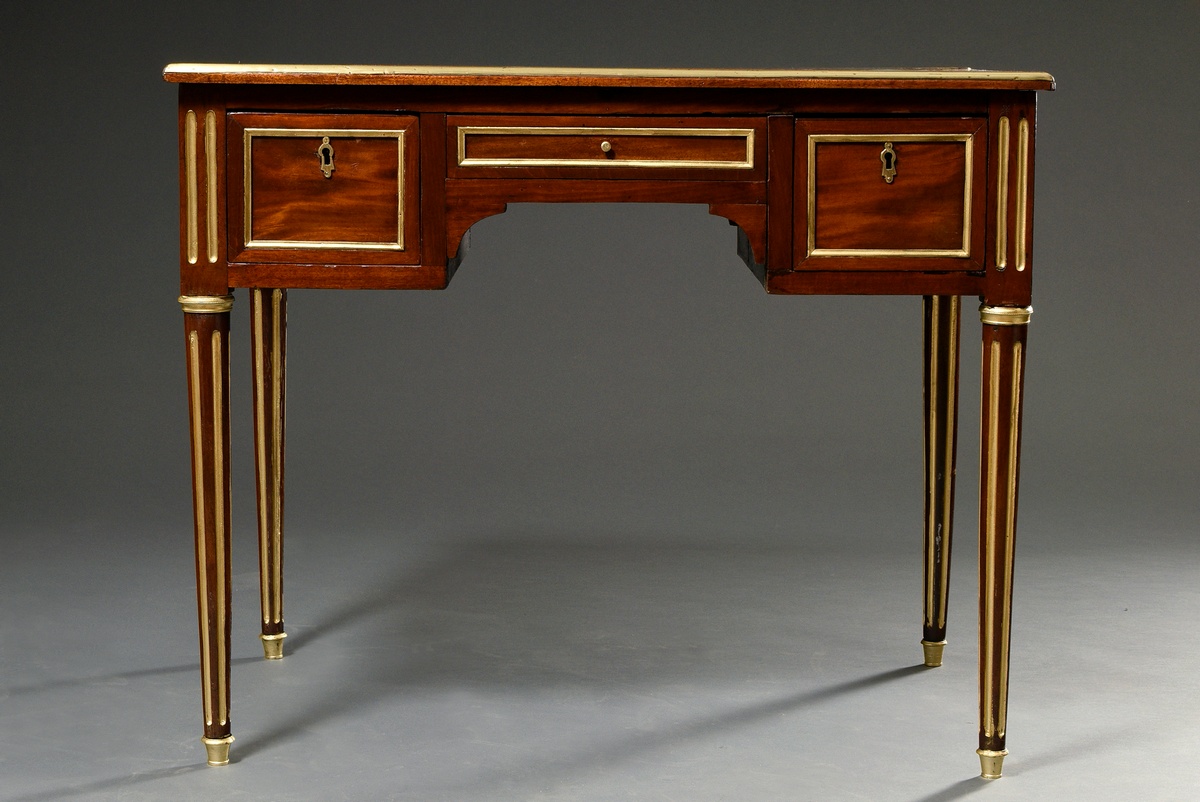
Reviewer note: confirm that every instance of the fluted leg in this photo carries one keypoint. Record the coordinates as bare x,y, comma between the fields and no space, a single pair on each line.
206,325
1004,332
268,326
941,439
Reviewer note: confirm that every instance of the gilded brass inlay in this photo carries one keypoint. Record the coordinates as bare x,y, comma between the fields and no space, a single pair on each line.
193,191
1022,189
1005,315
968,141
988,679
269,459
1010,531
201,548
939,426
949,444
277,324
206,304
532,161
248,190
260,424
219,524
1002,199
931,464
210,182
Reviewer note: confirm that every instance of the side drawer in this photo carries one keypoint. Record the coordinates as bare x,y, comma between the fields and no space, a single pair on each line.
323,188
891,194
705,148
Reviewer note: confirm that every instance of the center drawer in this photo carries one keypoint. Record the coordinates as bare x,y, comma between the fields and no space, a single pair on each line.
710,148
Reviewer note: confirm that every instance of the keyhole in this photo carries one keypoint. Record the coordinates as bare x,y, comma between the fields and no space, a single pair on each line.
888,157
325,156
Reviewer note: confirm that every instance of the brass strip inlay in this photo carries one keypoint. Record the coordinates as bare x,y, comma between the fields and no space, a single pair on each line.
1002,199
277,449
261,457
210,184
201,550
482,130
1005,315
968,141
344,133
989,590
193,191
1010,531
948,418
931,450
1022,189
206,304
219,524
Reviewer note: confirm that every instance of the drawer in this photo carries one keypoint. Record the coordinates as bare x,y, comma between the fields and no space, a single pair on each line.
890,194
705,148
323,188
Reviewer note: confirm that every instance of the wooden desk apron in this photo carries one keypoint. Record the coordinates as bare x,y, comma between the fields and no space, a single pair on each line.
910,182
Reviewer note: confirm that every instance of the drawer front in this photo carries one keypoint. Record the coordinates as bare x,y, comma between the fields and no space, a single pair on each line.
607,147
891,194
323,188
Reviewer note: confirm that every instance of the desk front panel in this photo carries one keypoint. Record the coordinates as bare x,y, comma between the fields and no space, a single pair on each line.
802,175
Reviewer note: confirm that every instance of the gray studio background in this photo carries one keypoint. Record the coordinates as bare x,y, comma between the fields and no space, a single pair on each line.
606,406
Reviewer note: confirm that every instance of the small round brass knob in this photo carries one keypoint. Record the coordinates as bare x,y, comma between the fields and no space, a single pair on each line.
606,146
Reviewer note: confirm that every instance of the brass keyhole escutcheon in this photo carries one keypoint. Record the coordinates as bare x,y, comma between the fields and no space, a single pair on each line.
325,156
888,157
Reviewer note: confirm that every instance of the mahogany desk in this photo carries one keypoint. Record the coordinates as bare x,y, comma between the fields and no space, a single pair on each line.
913,182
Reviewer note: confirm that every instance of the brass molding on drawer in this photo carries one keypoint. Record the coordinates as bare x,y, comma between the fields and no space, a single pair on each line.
968,141
744,160
248,136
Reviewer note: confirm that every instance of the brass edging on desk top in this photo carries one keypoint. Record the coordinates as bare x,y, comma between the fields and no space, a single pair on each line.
579,76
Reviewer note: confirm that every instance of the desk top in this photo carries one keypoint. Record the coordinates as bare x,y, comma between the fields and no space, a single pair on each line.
366,75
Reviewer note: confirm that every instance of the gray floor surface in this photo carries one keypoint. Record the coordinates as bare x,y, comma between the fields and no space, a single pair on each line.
572,667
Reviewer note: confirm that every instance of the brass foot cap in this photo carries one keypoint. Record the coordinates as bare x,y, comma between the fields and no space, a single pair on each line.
273,645
991,762
933,652
218,750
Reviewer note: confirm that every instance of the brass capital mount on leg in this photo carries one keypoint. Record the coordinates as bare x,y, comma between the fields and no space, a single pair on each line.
206,304
1005,315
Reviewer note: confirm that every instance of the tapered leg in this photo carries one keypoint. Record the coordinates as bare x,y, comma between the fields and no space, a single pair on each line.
941,440
268,326
206,325
1004,331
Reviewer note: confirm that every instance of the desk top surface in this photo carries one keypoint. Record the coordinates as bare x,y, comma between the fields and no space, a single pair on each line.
366,75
